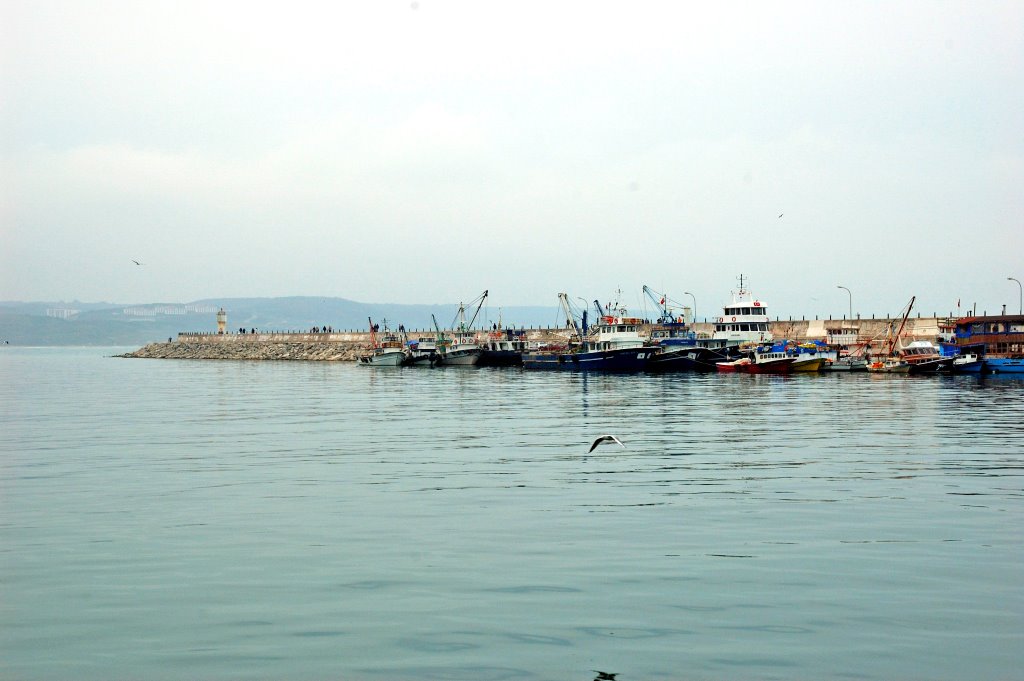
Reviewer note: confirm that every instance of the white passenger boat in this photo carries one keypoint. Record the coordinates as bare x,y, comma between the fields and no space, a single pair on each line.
744,320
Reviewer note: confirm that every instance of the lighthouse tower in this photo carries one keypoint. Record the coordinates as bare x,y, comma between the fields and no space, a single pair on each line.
222,321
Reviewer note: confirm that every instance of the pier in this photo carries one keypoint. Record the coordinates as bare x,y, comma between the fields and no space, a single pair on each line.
345,346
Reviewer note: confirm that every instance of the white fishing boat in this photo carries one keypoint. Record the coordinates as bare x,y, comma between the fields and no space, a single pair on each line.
462,349
385,350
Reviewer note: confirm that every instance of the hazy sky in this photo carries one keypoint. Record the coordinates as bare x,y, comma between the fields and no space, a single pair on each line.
421,152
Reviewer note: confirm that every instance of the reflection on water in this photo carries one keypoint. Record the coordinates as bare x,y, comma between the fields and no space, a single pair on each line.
309,520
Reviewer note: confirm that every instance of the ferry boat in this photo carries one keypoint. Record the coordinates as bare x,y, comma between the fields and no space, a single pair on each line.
744,320
999,339
388,350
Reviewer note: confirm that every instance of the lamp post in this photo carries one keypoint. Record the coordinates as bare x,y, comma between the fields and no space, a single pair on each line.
687,293
850,296
1020,294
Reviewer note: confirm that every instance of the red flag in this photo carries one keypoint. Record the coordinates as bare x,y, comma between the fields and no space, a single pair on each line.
662,301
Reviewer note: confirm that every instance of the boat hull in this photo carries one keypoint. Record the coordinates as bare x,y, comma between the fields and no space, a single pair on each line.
932,366
467,357
776,367
620,359
1004,365
848,365
686,359
542,360
816,364
386,359
889,367
500,358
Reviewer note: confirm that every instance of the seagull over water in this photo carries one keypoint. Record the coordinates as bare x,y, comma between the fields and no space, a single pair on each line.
605,438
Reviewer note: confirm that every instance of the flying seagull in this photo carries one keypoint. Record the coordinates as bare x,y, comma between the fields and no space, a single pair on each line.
781,214
602,440
137,262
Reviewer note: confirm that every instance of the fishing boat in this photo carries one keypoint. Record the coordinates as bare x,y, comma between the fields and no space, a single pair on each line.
848,363
679,348
968,363
769,361
462,349
997,338
890,362
612,344
386,350
501,347
744,320
422,351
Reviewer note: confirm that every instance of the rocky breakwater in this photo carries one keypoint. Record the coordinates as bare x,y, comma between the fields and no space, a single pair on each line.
256,347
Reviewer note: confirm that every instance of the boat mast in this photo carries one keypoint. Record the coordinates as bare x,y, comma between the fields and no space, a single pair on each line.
903,323
373,335
563,299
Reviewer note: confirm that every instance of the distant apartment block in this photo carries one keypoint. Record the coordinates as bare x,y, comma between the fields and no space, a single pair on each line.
153,310
61,312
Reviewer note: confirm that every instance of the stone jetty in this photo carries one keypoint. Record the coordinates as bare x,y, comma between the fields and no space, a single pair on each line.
347,346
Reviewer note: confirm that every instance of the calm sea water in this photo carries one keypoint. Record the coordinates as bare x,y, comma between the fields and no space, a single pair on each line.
224,520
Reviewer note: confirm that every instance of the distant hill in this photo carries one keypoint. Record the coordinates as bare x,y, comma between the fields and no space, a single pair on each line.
76,323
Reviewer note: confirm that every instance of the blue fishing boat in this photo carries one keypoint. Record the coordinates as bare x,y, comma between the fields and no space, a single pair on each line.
612,344
998,339
679,348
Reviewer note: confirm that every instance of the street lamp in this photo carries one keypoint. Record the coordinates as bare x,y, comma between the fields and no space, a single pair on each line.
687,293
850,296
1020,294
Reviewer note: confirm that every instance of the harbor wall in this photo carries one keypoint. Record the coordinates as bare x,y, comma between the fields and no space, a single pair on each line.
347,346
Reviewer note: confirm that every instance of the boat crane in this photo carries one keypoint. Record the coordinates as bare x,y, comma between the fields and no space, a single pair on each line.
570,316
460,316
441,340
662,301
906,313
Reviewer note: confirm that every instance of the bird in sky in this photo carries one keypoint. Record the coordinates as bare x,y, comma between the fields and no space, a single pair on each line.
137,262
603,439
781,214
604,676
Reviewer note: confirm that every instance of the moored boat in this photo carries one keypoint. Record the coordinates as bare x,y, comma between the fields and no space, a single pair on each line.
613,344
744,319
924,357
968,363
997,338
462,349
502,347
679,348
769,361
387,350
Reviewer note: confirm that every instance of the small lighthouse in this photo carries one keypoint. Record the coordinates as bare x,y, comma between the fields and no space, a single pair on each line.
222,321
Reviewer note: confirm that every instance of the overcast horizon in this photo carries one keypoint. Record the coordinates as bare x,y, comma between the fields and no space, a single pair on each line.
421,152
